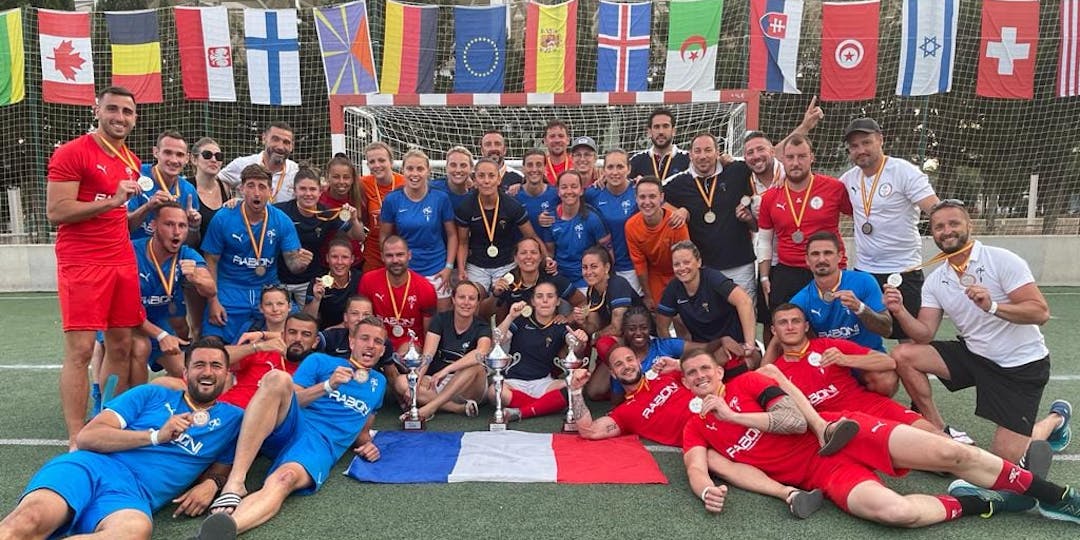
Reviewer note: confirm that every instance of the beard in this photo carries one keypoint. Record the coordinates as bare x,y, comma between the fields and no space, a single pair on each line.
297,352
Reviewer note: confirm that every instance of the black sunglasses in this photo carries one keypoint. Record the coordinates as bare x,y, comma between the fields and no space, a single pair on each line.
947,203
220,156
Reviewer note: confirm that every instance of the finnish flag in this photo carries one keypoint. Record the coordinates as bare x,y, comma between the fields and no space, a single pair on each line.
928,47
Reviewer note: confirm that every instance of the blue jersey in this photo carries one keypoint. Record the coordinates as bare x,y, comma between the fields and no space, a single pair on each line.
339,416
614,210
423,226
571,237
443,185
546,201
187,192
833,320
154,299
658,347
228,238
166,470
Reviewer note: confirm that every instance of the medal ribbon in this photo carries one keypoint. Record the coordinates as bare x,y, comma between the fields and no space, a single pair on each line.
258,249
655,164
537,322
941,257
489,228
701,189
799,353
393,301
127,156
318,214
551,166
191,404
166,283
962,267
868,199
833,289
161,182
378,192
720,393
642,383
791,205
588,297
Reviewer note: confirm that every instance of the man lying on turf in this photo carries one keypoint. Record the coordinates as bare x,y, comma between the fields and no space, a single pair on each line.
751,420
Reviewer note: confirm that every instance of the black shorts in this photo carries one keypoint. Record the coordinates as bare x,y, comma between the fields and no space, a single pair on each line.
1008,397
911,289
785,281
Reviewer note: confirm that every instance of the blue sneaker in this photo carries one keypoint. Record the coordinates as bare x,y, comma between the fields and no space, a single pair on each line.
1000,501
1068,509
1062,435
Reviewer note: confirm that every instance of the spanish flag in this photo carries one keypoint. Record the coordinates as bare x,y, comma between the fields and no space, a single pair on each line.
550,47
12,58
408,62
136,53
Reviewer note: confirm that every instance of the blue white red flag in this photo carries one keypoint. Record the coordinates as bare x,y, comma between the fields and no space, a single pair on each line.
775,26
928,47
623,42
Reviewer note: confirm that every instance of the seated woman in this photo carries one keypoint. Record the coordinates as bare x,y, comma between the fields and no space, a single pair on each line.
274,308
456,342
530,390
527,272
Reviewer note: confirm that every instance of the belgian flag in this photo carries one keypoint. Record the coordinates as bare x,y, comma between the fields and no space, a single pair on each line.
136,53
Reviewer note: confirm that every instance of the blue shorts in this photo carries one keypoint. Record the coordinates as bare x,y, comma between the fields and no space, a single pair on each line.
93,485
237,320
295,441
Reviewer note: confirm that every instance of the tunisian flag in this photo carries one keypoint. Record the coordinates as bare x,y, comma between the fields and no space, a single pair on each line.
1010,35
849,47
67,67
206,55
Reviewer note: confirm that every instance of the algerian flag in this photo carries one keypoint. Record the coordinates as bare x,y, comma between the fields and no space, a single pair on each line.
693,33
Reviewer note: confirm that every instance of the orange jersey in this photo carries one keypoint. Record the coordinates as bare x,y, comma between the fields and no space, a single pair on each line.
373,199
650,250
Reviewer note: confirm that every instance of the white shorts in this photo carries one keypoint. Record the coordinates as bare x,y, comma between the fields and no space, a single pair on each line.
436,282
485,277
744,276
297,293
631,276
535,388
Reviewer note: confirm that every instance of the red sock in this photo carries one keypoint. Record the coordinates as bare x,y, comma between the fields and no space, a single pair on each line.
953,508
1012,478
551,402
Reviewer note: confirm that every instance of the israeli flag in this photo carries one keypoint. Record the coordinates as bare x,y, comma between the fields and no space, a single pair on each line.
928,47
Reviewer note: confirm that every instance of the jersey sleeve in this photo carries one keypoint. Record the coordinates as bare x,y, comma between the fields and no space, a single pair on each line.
693,437
634,232
231,173
929,300
309,373
869,292
290,240
463,213
596,226
436,325
673,347
515,212
916,184
426,296
667,301
764,214
388,212
1012,271
129,405
190,253
723,287
764,390
620,293
214,242
446,209
66,164
563,285
845,201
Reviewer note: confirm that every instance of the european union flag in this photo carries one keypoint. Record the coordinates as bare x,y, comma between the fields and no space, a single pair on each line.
479,49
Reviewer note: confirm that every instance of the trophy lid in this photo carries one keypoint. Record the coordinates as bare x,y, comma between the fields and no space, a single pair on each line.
412,357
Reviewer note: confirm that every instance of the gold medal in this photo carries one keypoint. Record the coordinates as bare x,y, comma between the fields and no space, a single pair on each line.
508,278
327,281
527,311
492,251
828,296
345,214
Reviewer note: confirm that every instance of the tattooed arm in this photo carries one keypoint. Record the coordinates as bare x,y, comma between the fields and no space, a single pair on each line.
782,416
601,428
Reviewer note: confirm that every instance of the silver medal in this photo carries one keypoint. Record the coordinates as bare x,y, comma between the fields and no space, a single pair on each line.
492,251
745,201
200,418
145,183
814,359
967,280
397,330
797,237
894,280
360,375
651,375
710,217
527,311
696,405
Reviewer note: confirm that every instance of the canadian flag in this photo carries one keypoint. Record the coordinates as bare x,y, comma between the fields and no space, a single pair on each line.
206,55
67,66
1010,35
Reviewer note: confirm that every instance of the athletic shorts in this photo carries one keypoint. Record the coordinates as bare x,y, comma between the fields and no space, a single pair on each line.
96,297
436,282
93,485
237,320
888,409
911,290
295,441
1008,397
784,282
868,452
534,388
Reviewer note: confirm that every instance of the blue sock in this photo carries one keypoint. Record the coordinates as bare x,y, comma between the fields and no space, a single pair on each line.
95,396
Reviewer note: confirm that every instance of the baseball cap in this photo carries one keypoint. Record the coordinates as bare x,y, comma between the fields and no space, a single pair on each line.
584,141
862,125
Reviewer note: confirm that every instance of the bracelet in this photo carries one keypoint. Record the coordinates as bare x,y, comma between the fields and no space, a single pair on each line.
449,266
154,437
993,308
763,279
862,308
262,335
704,491
327,388
161,336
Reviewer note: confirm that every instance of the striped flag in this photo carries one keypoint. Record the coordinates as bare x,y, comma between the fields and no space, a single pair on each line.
346,49
927,47
775,28
693,36
67,66
273,56
408,65
550,47
622,61
12,58
206,60
1069,63
136,53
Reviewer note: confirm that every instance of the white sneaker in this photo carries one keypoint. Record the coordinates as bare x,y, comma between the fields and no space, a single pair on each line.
959,436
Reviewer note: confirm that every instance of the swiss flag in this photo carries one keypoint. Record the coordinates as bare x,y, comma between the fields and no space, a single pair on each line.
849,47
1010,35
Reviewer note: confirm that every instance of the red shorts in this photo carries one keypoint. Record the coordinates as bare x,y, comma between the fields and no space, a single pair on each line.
99,297
888,409
866,453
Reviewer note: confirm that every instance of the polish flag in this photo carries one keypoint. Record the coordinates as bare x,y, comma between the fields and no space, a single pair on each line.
206,55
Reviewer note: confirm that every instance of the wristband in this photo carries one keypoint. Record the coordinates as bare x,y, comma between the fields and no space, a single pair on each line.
704,491
327,388
763,279
154,437
449,266
993,308
161,336
862,308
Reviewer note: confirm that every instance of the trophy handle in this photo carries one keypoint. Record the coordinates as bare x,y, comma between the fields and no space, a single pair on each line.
515,359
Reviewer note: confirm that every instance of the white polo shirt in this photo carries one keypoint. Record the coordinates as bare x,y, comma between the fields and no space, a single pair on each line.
1001,272
894,244
230,174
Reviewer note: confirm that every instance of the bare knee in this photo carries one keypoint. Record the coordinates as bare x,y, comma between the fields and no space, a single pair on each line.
899,513
903,353
885,383
950,454
288,478
127,525
31,520
276,381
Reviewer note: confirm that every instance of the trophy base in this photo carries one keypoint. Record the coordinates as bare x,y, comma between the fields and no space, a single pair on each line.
412,425
569,427
497,426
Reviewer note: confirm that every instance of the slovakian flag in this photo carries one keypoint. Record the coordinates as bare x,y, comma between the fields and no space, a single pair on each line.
1010,36
849,47
927,47
67,66
775,27
345,42
273,56
479,49
551,47
1069,60
508,456
693,36
136,53
622,60
12,58
206,56
408,65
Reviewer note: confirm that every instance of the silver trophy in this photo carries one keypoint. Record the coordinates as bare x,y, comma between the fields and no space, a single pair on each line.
497,361
568,364
412,361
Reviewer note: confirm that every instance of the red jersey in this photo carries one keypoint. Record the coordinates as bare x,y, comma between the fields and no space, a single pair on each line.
658,410
817,208
788,459
103,239
552,170
250,371
415,300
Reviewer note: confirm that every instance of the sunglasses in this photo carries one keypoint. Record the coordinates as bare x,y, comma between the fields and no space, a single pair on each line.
219,156
947,203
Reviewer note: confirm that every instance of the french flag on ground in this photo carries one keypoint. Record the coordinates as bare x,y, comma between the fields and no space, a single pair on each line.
509,456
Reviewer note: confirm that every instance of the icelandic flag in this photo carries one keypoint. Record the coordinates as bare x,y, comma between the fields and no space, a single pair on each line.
273,56
479,49
509,456
775,27
622,62
928,47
